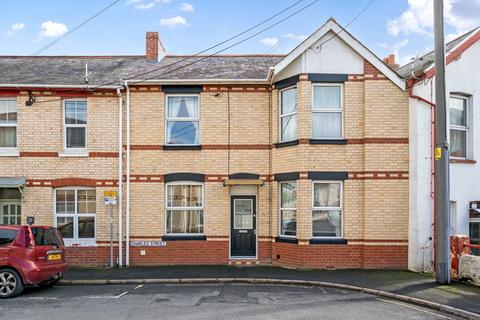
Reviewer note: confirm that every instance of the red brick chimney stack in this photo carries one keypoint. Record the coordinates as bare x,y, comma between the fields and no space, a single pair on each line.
390,61
152,47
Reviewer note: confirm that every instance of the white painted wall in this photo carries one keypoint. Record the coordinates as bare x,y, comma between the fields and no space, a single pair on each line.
462,75
335,56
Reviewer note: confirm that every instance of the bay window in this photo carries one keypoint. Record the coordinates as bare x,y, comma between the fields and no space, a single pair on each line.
288,114
458,107
75,210
327,111
184,208
75,124
8,123
183,120
327,209
288,209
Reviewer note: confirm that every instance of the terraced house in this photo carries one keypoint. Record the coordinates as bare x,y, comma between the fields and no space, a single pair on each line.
295,160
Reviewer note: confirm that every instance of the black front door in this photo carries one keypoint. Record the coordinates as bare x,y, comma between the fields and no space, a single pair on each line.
243,220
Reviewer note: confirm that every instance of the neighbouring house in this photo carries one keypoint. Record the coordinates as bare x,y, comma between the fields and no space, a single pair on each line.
463,102
295,160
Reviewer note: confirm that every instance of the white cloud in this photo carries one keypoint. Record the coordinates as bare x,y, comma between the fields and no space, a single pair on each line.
292,36
186,7
50,29
174,22
461,15
400,58
14,28
270,42
144,6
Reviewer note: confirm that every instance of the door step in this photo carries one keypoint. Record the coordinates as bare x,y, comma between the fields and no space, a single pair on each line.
244,262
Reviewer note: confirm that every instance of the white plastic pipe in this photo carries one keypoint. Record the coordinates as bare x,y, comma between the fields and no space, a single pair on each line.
127,229
120,177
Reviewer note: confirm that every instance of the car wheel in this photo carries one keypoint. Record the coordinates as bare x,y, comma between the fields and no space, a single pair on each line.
10,284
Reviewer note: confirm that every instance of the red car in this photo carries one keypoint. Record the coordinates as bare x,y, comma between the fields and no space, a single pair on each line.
30,256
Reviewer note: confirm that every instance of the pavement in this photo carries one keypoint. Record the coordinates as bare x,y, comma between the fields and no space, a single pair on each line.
458,295
207,301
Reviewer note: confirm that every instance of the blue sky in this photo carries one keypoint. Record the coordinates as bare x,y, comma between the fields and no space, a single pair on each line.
189,26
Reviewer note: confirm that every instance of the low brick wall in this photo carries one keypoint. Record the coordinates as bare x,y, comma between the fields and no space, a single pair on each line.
316,256
470,268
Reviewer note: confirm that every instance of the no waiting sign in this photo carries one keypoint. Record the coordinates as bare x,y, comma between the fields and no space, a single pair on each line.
110,197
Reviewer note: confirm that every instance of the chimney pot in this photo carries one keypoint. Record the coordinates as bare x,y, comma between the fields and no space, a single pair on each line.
152,47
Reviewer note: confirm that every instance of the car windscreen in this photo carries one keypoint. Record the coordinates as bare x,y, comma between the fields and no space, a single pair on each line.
47,237
7,236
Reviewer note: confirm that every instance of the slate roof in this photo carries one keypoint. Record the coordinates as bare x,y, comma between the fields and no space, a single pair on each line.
425,61
70,70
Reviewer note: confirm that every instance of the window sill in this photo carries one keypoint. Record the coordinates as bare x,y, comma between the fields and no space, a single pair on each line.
328,141
286,239
80,243
180,147
9,152
286,144
73,154
328,241
200,237
466,161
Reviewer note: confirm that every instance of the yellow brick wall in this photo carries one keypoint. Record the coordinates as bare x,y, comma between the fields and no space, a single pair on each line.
373,209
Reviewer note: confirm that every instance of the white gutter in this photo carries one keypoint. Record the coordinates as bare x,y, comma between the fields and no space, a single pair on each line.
52,86
120,178
127,222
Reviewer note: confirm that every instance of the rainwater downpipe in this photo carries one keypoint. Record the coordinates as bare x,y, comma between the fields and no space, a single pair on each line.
120,177
127,216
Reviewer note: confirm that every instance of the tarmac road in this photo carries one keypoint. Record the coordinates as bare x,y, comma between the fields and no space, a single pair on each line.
205,301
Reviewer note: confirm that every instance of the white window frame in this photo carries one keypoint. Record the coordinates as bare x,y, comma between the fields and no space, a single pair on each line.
76,240
9,202
167,208
65,126
341,110
193,119
465,128
10,151
287,114
328,208
286,209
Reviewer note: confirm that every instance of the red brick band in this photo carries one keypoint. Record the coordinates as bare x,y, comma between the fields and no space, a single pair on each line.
53,154
72,182
152,147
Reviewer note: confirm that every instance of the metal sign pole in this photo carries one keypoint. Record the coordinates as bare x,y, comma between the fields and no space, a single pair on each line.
111,235
110,199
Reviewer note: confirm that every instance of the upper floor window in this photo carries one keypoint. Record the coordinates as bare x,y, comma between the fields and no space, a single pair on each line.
288,209
458,126
288,114
327,209
8,123
184,208
75,124
75,210
183,120
327,111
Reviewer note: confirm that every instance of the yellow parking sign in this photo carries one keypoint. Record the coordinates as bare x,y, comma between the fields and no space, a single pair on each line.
109,193
110,197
